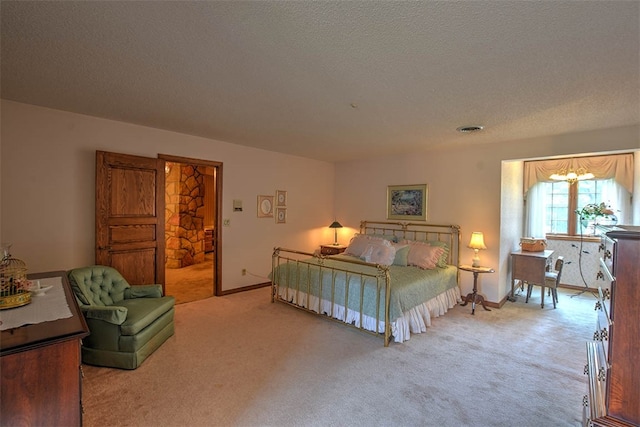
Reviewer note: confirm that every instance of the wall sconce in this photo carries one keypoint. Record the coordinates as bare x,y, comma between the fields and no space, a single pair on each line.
335,225
476,243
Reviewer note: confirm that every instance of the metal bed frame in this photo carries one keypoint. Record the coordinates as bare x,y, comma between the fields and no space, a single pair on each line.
446,233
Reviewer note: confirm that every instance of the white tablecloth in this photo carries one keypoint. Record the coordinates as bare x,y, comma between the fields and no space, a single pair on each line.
44,308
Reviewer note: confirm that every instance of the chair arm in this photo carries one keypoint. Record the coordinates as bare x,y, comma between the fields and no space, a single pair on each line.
143,291
111,314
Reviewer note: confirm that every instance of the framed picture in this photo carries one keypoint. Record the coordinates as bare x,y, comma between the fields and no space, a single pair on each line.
281,215
265,206
408,202
281,198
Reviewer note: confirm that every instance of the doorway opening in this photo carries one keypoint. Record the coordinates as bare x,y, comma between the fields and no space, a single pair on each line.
192,228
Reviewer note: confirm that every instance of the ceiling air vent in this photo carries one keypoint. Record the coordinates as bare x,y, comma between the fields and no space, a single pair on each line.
469,129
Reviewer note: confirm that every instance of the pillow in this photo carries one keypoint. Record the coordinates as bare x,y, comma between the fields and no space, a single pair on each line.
357,245
379,252
442,261
423,255
402,254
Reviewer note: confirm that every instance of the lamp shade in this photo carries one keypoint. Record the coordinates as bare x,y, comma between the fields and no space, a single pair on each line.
477,240
335,224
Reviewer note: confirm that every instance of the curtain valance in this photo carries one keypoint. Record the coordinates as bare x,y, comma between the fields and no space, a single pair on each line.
618,166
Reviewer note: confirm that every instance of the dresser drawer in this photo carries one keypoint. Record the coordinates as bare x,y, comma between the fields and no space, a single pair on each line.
594,405
605,285
603,332
607,251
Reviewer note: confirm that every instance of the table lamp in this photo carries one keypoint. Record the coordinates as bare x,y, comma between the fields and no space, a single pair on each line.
476,243
335,225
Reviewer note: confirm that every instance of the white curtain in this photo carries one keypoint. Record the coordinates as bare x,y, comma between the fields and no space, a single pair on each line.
616,196
536,211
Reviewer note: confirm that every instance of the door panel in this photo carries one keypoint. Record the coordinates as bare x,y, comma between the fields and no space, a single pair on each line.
130,216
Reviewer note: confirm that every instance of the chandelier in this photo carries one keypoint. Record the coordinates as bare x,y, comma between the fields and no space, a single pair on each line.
572,176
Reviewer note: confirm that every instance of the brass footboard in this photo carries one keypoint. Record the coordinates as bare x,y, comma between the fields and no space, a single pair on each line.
308,282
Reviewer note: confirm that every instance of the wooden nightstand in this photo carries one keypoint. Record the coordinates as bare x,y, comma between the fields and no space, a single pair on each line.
332,249
474,297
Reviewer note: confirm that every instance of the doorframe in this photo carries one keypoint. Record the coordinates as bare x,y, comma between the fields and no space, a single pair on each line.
217,265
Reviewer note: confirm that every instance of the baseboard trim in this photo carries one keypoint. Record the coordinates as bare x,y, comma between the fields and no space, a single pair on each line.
245,288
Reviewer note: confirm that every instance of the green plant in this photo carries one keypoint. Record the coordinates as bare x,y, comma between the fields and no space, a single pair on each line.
594,210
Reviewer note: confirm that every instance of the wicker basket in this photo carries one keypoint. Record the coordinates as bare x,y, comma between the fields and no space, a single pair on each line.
529,244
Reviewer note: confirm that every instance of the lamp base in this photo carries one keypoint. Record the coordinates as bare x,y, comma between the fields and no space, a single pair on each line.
475,262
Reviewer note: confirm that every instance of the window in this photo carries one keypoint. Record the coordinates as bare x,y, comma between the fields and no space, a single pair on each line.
552,205
557,219
562,201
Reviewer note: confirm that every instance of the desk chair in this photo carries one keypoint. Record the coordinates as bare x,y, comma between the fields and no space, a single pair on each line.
551,281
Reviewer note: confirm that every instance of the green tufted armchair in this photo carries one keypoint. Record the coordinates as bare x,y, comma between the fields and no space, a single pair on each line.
126,323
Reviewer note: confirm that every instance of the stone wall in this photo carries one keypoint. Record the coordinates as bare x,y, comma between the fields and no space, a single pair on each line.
184,208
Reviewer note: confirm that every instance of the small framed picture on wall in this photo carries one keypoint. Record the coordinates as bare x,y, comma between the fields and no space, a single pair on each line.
265,206
281,198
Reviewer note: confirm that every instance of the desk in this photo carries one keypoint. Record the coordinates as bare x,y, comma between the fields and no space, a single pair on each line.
474,297
529,267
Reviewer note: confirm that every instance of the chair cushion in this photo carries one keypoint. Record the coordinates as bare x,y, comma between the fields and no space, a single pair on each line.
550,278
143,311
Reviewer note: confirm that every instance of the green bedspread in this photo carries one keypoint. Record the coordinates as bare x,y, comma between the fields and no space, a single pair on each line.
410,286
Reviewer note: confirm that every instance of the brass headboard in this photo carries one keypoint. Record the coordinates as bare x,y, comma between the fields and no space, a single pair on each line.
447,233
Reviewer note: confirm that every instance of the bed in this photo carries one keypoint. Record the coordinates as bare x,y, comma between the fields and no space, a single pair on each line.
391,293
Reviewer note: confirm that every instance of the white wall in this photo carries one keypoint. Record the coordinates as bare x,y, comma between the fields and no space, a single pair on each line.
47,190
466,188
48,197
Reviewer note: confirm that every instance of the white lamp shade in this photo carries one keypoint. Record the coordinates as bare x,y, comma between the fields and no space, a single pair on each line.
477,240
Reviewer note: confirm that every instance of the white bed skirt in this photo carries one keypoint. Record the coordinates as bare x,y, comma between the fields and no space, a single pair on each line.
413,321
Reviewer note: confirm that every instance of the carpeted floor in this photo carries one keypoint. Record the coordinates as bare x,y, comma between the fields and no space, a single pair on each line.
240,360
191,283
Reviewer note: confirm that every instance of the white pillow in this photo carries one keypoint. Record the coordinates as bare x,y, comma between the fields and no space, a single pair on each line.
357,245
379,252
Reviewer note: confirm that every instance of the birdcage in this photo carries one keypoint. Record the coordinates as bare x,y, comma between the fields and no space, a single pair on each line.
14,286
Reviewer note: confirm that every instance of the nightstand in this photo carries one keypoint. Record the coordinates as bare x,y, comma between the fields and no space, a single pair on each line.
332,249
474,297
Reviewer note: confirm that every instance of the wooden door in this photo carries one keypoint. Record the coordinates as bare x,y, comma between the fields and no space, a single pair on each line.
130,216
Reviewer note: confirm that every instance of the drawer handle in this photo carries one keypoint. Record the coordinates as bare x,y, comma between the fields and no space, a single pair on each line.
606,294
607,254
602,335
598,306
601,247
600,275
585,401
602,374
586,369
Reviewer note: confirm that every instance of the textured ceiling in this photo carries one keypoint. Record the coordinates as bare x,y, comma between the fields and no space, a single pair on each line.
331,80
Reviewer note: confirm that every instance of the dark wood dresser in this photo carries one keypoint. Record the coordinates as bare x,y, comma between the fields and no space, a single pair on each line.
40,368
613,357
